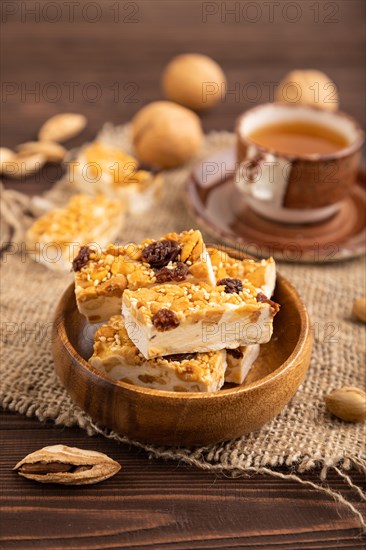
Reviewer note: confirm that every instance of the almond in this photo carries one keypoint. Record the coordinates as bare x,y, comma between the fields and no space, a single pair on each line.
347,403
62,127
6,155
53,152
359,309
67,465
23,165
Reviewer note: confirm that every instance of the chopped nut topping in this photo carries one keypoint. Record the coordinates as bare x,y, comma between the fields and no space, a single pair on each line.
165,319
160,253
82,258
232,286
178,274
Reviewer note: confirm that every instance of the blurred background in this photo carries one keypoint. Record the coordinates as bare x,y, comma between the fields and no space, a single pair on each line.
105,58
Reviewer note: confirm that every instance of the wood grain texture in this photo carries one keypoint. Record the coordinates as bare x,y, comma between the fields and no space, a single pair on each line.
157,504
153,503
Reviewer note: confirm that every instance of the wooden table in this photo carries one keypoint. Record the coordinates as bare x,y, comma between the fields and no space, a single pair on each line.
104,59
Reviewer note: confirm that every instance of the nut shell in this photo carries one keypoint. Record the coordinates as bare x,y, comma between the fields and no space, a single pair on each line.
23,166
166,134
53,152
62,127
194,80
359,309
347,403
91,466
6,155
308,87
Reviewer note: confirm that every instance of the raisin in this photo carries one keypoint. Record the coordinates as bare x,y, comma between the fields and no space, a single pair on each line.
262,298
232,286
180,356
82,258
160,253
165,319
236,353
178,274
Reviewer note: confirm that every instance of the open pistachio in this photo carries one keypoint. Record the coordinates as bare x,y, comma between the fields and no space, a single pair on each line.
347,403
67,465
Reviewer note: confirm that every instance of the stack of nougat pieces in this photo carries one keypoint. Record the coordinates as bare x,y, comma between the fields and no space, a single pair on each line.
178,316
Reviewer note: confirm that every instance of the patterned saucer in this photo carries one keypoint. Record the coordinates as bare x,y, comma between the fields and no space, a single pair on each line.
222,210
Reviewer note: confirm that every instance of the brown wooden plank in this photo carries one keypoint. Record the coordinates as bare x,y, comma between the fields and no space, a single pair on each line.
153,503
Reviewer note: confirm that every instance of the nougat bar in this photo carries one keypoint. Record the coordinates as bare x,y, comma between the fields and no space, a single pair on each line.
56,237
118,357
188,317
102,168
101,276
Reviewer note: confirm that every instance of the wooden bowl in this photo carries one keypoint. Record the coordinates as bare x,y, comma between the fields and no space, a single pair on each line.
173,418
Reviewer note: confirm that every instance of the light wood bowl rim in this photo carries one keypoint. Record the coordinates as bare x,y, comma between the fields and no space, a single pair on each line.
296,354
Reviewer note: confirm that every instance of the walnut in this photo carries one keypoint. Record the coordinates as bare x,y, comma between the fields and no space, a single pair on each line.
194,80
308,87
165,134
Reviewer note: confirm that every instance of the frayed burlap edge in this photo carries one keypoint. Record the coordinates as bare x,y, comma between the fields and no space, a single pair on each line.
18,211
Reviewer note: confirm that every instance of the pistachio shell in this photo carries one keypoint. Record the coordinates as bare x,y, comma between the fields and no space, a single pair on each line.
62,127
54,152
67,465
347,403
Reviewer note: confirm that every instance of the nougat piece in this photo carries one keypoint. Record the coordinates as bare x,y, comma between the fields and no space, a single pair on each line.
239,362
261,273
101,168
186,318
118,357
101,276
56,237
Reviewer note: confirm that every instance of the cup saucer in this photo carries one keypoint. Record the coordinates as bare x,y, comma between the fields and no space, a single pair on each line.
224,212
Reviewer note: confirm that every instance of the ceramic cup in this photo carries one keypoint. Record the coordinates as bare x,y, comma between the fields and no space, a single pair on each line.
296,188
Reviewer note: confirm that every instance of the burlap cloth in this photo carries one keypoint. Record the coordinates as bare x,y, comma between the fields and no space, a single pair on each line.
304,436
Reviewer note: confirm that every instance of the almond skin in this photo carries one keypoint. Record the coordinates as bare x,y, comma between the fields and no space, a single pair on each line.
54,152
62,127
359,309
347,403
22,166
67,466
